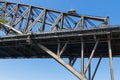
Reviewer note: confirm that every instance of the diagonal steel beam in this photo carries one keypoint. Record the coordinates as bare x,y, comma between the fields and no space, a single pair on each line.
21,16
56,21
96,68
3,8
42,27
72,61
17,31
91,56
58,59
27,19
10,12
15,15
78,24
36,20
64,47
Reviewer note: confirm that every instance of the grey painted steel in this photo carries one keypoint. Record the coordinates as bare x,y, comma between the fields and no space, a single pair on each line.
96,68
91,56
63,49
82,57
110,57
77,74
57,35
89,72
17,31
27,19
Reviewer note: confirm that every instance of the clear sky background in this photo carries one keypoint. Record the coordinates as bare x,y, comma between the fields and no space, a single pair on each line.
49,69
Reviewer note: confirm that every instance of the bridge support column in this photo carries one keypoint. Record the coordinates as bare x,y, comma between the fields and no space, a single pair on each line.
82,58
58,59
84,69
110,57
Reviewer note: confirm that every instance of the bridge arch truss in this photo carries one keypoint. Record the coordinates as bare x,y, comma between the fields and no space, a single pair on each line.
31,31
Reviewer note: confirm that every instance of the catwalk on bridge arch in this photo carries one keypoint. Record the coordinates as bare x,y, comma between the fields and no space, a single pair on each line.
35,32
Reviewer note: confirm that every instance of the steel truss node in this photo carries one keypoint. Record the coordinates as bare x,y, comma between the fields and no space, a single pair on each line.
36,32
81,75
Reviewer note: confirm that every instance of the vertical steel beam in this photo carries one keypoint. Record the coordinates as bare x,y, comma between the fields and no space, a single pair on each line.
89,72
61,21
110,59
82,57
20,24
58,59
58,49
82,17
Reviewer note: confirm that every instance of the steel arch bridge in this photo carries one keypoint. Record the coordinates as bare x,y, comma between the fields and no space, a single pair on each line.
35,32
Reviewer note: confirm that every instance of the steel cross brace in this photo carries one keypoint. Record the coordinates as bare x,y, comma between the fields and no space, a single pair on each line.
91,56
17,31
62,62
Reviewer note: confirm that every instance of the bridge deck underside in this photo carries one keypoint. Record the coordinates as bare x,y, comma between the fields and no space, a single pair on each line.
24,46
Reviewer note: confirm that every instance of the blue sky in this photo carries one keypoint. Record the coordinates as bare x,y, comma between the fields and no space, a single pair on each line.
49,69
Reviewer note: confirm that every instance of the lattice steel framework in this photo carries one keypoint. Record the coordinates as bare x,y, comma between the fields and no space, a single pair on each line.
38,32
23,19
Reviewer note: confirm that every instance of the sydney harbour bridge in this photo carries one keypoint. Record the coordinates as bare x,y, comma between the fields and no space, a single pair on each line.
35,32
